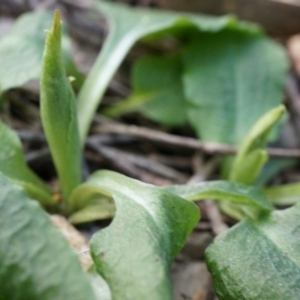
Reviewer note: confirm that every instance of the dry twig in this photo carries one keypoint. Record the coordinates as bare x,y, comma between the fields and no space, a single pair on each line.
186,142
133,163
213,213
203,171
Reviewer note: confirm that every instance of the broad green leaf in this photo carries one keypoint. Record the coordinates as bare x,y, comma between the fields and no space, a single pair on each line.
214,104
21,51
252,156
127,26
134,253
231,79
158,91
258,260
13,165
58,112
35,260
223,190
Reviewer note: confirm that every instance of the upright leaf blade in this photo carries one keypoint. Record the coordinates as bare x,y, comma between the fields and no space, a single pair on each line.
150,227
58,110
13,165
252,156
250,167
257,260
35,260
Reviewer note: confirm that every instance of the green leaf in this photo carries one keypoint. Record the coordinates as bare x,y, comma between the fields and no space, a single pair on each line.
223,190
215,103
101,288
92,212
127,26
21,50
250,159
250,167
258,260
231,79
272,169
134,253
236,193
287,194
158,91
58,111
35,260
252,156
13,165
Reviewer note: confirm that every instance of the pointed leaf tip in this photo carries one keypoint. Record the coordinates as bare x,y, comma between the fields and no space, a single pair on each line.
56,25
280,110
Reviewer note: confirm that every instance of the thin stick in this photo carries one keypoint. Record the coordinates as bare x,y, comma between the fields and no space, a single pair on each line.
211,208
215,217
186,142
137,161
83,252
